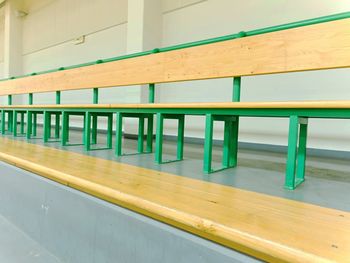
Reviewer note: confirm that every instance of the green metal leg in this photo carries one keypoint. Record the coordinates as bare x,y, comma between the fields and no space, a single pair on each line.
47,126
227,147
208,143
180,137
141,134
109,130
65,128
3,122
35,124
94,129
14,125
29,124
68,119
234,143
87,131
230,144
149,148
119,133
301,160
10,121
296,152
159,139
22,123
57,126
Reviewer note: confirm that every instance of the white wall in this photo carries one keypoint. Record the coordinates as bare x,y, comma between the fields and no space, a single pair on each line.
213,18
49,31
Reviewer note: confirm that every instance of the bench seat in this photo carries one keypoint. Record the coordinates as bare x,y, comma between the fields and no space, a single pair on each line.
266,227
338,104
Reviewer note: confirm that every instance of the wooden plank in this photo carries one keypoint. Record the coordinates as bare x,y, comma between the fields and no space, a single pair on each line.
270,228
337,104
319,46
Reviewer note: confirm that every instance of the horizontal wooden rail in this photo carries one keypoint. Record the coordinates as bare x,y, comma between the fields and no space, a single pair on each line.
314,47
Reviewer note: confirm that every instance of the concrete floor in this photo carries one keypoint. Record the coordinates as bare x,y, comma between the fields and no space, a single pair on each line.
327,179
16,246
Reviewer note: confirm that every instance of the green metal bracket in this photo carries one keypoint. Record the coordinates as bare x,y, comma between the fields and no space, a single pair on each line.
159,137
151,93
88,130
229,159
295,172
58,97
30,98
140,141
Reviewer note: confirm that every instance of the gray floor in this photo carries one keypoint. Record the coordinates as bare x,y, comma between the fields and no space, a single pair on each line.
327,179
16,246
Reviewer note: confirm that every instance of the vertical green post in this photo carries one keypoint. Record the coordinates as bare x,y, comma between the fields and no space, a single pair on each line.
150,134
9,99
87,131
95,96
3,116
301,159
109,130
159,138
30,98
151,92
292,152
235,129
58,97
14,125
29,124
180,137
10,121
208,143
65,128
57,125
119,130
140,140
94,117
227,146
47,126
151,98
236,96
35,122
22,123
57,119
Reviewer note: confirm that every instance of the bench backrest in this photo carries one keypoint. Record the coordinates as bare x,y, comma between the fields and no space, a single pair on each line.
313,47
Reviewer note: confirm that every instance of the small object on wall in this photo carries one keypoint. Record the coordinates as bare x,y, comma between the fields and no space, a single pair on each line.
20,13
79,40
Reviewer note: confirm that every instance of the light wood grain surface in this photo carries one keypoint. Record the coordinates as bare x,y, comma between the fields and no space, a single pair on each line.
267,227
319,46
335,104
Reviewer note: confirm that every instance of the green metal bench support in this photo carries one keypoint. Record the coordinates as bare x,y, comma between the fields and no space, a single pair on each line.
140,137
89,135
15,122
9,128
9,114
230,146
295,172
65,128
159,137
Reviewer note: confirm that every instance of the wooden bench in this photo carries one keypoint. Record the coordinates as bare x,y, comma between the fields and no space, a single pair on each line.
322,43
266,227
